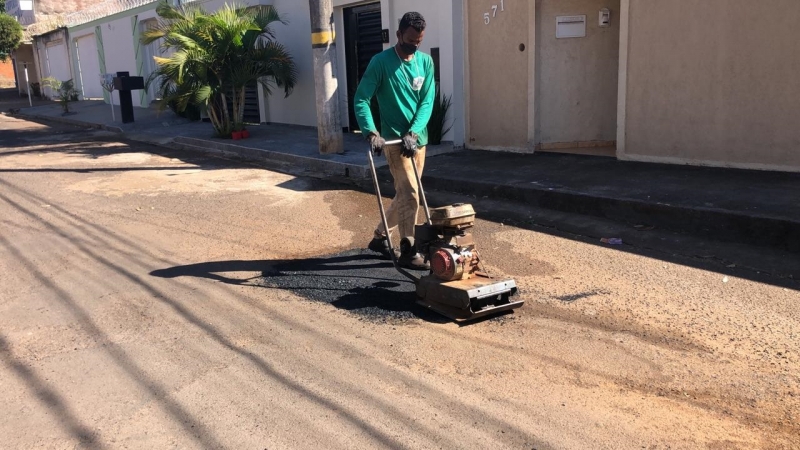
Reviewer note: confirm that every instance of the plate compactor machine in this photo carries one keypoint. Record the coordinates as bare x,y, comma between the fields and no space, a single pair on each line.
458,286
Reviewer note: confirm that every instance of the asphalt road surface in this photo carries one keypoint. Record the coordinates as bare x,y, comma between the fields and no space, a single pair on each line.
158,299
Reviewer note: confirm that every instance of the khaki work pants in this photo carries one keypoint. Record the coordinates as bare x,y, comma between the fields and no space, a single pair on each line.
402,213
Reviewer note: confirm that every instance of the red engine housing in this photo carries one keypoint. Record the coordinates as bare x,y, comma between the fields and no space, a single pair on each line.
449,265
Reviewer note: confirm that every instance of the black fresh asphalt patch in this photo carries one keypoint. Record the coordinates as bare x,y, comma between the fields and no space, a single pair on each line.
358,281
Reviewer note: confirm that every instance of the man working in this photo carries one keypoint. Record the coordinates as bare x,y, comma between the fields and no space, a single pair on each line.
402,80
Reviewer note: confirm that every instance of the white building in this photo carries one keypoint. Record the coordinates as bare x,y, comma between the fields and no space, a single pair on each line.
672,81
109,43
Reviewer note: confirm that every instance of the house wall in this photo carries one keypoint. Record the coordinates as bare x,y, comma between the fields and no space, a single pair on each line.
22,55
7,74
711,82
527,87
119,51
577,77
54,57
300,107
499,74
115,48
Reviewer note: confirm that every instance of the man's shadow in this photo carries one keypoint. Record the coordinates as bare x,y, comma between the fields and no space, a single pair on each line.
357,281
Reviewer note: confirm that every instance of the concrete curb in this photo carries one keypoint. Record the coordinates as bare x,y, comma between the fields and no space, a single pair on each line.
268,158
711,223
67,121
334,168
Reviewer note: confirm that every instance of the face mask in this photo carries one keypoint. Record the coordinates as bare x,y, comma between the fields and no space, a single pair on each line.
409,49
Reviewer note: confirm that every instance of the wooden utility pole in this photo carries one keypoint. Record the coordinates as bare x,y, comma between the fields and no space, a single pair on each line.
327,88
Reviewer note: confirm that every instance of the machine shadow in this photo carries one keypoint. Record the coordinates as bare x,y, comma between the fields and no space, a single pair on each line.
356,281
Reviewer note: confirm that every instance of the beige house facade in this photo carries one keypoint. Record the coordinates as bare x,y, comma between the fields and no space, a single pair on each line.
702,82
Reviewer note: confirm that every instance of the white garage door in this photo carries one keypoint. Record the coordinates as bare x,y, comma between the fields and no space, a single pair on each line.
148,63
58,61
56,64
89,67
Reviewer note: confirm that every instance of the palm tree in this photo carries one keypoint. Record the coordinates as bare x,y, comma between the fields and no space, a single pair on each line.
63,91
215,56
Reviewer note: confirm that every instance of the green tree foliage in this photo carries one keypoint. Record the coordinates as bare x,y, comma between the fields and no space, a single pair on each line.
214,56
10,35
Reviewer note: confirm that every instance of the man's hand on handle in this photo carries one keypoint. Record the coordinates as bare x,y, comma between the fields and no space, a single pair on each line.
410,144
376,143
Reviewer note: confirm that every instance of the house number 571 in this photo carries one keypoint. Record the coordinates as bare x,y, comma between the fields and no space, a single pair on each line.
488,16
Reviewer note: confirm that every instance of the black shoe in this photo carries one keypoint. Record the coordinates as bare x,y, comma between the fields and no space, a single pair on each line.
380,245
413,262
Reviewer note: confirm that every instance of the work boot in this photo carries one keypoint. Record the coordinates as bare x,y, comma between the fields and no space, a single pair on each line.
414,262
380,245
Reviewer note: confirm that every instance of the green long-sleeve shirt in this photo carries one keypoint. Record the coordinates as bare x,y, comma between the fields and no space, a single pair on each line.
403,108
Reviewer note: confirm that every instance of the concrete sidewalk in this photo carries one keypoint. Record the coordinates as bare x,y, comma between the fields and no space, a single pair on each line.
752,207
283,147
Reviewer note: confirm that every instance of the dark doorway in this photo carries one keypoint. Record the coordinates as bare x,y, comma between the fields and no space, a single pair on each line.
363,40
252,113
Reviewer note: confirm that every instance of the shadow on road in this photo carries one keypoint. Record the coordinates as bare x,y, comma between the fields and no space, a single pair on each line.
108,252
356,281
48,396
760,264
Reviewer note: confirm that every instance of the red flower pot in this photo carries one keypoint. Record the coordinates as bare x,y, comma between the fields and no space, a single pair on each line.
236,135
245,134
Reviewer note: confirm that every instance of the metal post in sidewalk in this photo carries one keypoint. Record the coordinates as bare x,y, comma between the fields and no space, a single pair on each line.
107,81
329,126
28,84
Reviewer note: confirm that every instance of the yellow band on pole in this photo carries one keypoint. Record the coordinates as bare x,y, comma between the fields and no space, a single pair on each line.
322,37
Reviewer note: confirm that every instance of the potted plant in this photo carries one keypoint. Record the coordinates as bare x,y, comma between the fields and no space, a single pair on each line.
36,90
65,92
238,131
438,125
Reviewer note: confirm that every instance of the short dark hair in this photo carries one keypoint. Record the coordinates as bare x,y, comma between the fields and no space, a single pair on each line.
413,20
